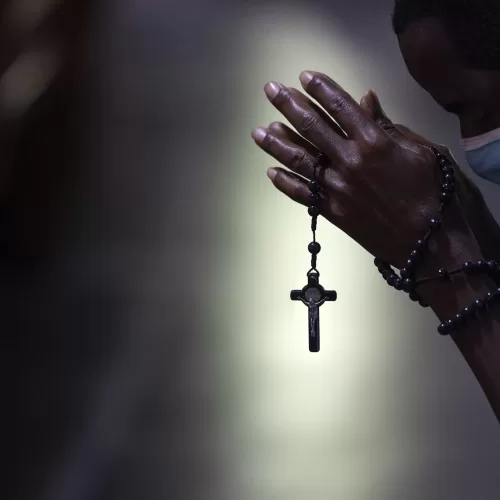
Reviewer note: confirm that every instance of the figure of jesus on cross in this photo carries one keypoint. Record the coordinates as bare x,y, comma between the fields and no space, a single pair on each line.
313,295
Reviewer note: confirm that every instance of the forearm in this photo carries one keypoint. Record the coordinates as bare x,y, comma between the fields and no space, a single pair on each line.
479,339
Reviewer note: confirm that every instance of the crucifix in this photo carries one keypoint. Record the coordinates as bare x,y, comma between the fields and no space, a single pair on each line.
313,295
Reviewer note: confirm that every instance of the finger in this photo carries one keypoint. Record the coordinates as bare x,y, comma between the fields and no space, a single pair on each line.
282,131
341,107
295,188
321,112
293,156
307,121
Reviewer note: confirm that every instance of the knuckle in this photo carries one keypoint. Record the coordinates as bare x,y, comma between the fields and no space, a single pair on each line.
308,122
338,103
374,141
298,159
269,141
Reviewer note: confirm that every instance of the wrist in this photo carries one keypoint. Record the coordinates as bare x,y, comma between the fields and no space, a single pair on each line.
448,297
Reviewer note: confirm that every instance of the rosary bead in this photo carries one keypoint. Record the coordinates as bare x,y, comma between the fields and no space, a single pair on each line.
408,285
422,303
450,324
459,319
313,211
443,274
313,186
468,268
398,284
493,267
482,266
449,178
415,255
392,279
387,273
443,329
479,305
414,297
313,198
490,297
405,273
410,264
448,170
420,245
434,223
314,247
448,187
468,313
445,197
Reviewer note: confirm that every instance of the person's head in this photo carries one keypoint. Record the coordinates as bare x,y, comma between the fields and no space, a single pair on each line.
452,49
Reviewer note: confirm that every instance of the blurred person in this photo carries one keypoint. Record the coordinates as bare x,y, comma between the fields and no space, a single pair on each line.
381,184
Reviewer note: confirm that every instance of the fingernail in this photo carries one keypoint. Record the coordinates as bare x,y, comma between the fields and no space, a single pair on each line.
271,89
305,77
258,134
271,173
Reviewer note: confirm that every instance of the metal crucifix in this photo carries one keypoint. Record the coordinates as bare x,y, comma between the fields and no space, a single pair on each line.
313,295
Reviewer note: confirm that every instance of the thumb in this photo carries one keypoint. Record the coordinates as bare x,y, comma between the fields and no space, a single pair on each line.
371,103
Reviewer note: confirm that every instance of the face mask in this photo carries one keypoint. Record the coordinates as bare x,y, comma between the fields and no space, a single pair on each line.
483,154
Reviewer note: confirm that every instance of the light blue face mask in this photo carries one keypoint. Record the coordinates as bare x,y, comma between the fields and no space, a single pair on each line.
483,154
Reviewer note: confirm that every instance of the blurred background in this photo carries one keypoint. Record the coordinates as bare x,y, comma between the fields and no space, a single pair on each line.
150,349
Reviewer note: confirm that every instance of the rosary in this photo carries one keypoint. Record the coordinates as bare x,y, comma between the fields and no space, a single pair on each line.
313,295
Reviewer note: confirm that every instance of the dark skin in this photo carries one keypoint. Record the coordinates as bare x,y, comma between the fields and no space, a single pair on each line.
385,176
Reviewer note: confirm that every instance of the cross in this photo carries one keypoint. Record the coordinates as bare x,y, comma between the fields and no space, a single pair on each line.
313,295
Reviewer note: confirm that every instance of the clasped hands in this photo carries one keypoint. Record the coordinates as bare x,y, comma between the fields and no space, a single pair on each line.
381,184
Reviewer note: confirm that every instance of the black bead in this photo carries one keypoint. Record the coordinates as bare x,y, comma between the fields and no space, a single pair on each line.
392,279
445,197
377,262
459,319
448,187
443,274
408,285
313,211
490,297
314,247
482,266
448,170
443,329
415,255
398,284
313,186
410,264
414,296
420,245
449,178
468,268
422,303
387,273
313,198
405,273
493,267
443,161
479,305
450,324
468,313
434,223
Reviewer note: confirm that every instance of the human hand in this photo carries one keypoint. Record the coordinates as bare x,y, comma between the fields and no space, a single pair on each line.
379,189
481,221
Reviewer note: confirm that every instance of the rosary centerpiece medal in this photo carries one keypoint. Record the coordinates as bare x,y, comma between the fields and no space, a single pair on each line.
313,295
